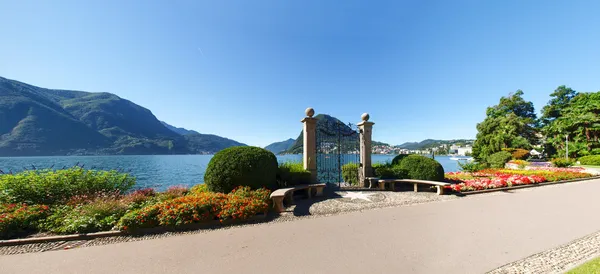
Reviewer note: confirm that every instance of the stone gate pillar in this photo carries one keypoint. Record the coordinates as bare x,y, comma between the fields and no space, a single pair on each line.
309,157
366,170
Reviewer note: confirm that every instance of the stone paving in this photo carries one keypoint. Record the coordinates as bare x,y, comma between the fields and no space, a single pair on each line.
557,260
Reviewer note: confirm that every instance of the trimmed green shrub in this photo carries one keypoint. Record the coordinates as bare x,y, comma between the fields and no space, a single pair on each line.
422,168
292,173
390,172
350,173
592,160
241,166
56,186
499,159
561,162
399,158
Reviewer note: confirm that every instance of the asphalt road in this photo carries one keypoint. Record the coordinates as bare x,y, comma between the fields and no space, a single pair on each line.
469,235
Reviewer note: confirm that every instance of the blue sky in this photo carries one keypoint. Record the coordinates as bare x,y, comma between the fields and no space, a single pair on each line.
246,70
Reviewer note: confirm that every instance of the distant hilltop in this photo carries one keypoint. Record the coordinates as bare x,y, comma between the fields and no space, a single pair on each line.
40,121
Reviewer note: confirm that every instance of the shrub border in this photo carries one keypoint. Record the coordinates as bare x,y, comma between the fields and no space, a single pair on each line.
524,186
137,232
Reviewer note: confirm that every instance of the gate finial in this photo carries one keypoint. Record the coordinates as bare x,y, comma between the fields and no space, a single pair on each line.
309,112
365,117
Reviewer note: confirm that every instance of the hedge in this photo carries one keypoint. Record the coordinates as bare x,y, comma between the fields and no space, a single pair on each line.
241,166
291,174
422,168
350,173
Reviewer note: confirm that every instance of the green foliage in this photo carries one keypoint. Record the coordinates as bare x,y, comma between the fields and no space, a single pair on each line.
578,119
399,158
422,168
591,160
562,162
17,219
241,166
499,159
510,124
350,173
292,173
197,189
50,187
388,171
99,215
471,166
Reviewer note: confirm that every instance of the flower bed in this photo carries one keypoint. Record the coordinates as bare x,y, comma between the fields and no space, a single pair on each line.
500,178
104,202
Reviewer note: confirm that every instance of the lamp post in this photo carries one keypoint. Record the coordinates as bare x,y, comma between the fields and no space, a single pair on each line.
567,146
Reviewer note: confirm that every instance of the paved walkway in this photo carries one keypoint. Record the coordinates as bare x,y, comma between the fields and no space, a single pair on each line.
470,235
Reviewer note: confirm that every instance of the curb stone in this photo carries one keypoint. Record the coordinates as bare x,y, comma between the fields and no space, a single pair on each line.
113,233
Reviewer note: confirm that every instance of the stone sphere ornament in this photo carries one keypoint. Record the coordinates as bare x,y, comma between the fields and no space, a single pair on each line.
310,112
365,117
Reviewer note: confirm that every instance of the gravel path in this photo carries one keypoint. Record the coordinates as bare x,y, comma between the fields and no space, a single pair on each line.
556,260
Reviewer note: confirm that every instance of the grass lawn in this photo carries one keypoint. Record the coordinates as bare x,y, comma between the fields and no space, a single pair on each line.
591,267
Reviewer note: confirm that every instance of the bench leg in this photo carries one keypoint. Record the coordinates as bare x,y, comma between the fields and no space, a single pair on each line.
392,186
415,187
440,190
381,186
289,198
309,192
319,191
278,204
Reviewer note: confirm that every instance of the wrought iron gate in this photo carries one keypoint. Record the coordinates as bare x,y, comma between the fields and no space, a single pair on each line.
337,144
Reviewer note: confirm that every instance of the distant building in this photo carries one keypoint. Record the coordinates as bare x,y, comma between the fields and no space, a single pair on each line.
464,151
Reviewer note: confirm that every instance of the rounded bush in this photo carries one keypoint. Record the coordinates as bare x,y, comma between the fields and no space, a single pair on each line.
499,159
422,168
241,166
399,158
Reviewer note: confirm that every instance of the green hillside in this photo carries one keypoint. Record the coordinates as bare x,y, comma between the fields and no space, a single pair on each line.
39,121
279,147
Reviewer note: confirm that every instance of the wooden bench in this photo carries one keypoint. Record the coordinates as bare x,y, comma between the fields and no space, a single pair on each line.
392,182
279,195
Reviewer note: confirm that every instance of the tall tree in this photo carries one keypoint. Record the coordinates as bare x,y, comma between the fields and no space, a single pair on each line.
561,98
579,119
510,124
554,137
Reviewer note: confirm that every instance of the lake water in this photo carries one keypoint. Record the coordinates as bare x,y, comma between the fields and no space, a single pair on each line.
156,171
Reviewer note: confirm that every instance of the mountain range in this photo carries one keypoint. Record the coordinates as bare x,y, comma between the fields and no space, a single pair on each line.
39,121
282,146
